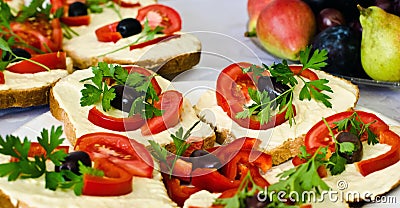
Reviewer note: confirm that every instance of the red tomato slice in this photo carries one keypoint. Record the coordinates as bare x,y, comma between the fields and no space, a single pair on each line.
2,79
127,4
55,60
76,21
232,95
118,149
108,33
153,41
297,69
116,180
36,34
171,103
98,118
318,135
161,15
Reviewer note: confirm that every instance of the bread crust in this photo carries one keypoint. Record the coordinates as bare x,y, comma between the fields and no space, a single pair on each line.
24,98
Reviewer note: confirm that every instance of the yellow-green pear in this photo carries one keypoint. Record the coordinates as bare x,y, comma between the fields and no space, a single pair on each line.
380,44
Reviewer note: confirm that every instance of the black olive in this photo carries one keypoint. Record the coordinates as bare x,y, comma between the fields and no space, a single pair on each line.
257,201
356,155
19,52
124,97
203,159
77,9
272,86
71,162
128,27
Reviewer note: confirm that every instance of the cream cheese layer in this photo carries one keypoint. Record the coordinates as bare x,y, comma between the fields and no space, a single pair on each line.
68,94
308,112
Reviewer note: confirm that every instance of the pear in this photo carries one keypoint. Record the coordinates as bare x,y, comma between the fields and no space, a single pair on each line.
380,44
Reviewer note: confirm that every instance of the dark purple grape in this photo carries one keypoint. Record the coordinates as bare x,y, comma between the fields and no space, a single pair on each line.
396,7
257,202
329,17
203,159
385,5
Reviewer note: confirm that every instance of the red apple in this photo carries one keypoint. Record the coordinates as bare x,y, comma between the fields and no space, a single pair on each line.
254,8
285,27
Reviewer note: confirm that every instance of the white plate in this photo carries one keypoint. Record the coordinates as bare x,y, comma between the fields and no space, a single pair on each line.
191,90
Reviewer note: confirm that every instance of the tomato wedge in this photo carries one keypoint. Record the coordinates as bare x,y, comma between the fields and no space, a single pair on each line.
108,33
98,118
161,15
319,135
116,180
125,153
55,60
171,103
232,95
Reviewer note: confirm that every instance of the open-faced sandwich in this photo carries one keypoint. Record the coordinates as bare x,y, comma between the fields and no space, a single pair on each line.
145,34
128,100
30,51
277,104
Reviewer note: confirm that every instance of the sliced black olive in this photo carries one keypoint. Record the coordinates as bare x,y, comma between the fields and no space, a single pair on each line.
71,162
203,159
19,52
124,97
356,155
272,86
128,27
77,9
257,201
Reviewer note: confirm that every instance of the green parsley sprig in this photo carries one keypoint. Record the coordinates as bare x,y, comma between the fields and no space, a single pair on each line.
264,107
302,178
99,91
181,145
244,192
25,167
354,125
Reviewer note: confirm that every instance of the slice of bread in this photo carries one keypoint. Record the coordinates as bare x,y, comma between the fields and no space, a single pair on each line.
25,90
168,57
65,106
282,141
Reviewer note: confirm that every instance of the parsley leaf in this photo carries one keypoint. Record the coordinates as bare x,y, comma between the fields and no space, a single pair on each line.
337,164
302,178
100,91
25,167
264,105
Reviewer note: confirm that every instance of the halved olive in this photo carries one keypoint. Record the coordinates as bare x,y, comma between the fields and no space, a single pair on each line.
77,9
124,98
71,162
203,159
128,27
357,154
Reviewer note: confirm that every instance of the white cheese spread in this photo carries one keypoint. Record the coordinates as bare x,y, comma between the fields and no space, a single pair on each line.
344,97
68,94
